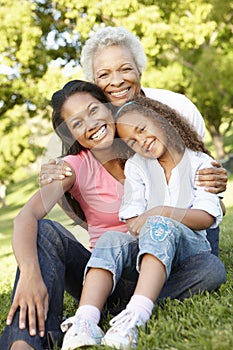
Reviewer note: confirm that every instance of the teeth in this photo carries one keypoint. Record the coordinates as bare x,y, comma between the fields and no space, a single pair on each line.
98,133
151,145
119,93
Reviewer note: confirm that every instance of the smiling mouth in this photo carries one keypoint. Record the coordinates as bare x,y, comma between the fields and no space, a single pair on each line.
119,93
99,134
150,146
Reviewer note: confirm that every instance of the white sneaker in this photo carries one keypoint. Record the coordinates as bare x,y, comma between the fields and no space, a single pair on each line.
123,333
80,333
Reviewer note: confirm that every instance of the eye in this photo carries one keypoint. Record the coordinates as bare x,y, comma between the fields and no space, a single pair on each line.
102,75
76,124
131,143
126,69
140,129
93,110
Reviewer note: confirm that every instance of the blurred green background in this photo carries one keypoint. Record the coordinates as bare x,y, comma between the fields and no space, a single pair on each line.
189,48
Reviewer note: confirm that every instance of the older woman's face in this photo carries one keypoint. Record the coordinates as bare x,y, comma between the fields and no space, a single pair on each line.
116,73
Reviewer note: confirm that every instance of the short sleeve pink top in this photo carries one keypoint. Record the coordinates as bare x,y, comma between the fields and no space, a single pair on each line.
98,193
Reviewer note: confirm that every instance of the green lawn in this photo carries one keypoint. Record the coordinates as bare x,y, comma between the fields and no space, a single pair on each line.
203,322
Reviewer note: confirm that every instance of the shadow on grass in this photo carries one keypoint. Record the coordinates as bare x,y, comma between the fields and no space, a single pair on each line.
17,195
29,184
7,255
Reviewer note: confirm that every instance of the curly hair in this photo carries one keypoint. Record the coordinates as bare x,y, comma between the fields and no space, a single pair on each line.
111,36
184,133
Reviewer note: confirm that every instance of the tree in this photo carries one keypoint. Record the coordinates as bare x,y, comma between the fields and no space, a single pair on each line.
212,90
27,81
210,86
40,38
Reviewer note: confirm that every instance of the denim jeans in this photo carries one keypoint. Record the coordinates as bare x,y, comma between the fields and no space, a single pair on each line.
170,241
213,238
166,239
63,259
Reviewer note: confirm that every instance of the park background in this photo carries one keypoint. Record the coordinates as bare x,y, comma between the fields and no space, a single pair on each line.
189,48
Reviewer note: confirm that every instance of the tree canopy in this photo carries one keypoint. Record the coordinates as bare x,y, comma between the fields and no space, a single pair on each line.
188,46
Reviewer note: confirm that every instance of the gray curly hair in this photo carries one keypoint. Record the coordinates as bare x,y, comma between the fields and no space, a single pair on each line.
110,36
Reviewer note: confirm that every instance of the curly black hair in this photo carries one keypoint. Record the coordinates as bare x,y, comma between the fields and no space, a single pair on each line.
169,120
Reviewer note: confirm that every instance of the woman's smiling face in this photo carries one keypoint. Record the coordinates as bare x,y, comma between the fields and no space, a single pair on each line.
116,73
90,121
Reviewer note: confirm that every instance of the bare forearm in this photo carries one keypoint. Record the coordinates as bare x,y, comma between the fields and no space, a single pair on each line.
31,295
24,243
195,219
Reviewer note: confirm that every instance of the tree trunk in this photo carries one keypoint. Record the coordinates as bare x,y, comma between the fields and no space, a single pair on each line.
219,146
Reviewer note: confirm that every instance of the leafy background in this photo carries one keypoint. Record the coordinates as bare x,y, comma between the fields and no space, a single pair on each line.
189,46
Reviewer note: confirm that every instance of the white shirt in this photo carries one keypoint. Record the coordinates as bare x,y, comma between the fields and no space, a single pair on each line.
182,105
146,186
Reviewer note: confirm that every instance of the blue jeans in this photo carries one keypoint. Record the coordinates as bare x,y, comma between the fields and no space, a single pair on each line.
168,240
63,259
213,238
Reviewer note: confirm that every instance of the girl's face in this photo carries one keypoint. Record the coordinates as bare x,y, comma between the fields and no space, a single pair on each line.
90,121
116,73
142,135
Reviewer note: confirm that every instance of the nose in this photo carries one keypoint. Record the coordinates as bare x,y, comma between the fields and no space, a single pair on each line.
140,140
116,79
91,123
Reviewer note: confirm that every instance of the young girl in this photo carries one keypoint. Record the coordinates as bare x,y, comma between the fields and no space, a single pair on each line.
162,207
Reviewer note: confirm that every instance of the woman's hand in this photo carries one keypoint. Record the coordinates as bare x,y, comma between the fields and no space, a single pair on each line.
214,179
31,297
53,171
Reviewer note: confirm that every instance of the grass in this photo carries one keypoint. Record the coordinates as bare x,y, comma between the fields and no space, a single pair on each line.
203,322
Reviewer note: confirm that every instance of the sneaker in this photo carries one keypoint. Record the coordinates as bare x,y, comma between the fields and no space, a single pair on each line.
123,333
79,333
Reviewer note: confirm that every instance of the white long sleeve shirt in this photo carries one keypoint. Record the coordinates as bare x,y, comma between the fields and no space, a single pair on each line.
146,186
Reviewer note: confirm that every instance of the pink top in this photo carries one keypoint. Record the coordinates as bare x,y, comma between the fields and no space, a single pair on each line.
98,193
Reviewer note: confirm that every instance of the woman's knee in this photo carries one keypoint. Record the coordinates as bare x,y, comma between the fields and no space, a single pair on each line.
53,234
215,272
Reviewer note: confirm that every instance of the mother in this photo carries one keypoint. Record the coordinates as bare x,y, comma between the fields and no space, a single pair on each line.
49,257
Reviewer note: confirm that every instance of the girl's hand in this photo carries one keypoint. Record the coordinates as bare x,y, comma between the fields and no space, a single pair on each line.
53,171
214,179
135,225
31,297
